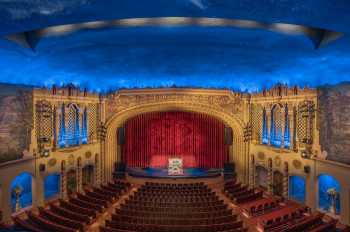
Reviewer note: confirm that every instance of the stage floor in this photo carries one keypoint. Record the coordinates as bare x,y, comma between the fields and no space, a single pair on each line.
163,173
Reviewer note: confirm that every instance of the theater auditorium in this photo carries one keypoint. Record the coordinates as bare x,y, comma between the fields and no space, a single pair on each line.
174,116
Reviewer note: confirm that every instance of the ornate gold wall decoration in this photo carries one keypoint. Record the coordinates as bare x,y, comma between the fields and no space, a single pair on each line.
297,164
88,154
277,161
71,159
261,155
52,162
224,100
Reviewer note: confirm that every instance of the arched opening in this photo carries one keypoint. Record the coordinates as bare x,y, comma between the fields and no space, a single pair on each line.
152,138
277,183
112,151
276,126
329,194
71,181
21,191
88,175
261,177
297,188
52,186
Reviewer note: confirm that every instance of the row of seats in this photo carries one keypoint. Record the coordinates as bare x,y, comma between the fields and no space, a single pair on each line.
224,227
73,214
277,216
174,214
279,219
261,207
194,208
239,193
155,203
301,222
175,199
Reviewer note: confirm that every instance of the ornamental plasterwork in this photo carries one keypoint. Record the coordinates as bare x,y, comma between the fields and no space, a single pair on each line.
228,103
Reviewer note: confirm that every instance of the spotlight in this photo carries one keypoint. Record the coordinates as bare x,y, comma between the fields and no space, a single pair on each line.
305,155
45,153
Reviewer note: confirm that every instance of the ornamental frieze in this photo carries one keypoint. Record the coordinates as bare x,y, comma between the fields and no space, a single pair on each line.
229,103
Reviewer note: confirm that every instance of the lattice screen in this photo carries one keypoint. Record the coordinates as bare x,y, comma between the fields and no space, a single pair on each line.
305,122
44,125
256,121
93,118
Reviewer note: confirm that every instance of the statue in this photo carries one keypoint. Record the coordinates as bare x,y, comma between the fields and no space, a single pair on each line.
17,191
333,196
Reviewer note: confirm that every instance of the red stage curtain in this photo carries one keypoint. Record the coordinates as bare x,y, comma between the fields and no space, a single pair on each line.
153,138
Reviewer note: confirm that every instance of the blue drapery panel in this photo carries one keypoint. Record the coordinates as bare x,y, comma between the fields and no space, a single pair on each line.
265,138
276,129
286,129
84,137
62,129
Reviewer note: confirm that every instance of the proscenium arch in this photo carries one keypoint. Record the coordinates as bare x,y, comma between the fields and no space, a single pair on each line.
110,147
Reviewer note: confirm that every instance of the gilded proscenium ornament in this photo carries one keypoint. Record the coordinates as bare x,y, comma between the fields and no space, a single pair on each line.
232,104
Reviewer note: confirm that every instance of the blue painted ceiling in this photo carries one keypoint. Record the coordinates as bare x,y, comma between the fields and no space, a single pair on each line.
208,57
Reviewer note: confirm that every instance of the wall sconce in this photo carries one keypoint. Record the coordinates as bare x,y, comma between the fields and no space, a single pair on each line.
307,169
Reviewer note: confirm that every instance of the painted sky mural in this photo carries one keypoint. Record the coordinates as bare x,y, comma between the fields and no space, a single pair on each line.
238,59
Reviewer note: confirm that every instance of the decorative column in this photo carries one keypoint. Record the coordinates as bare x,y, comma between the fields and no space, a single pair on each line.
344,201
6,207
63,180
285,180
291,129
269,177
102,133
296,121
97,180
252,172
38,191
268,123
247,137
283,124
79,176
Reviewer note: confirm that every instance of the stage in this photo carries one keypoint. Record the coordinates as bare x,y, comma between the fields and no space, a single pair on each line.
163,173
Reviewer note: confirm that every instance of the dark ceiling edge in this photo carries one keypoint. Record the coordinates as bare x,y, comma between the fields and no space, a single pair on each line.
318,36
